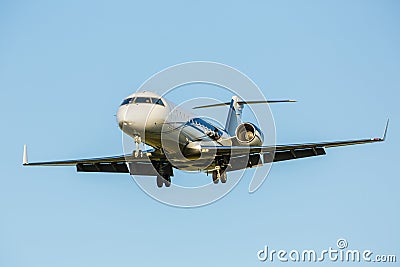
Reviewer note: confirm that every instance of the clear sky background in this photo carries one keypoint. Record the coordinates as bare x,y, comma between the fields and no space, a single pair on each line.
66,65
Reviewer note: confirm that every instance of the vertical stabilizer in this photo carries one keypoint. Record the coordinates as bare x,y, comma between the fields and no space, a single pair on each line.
234,116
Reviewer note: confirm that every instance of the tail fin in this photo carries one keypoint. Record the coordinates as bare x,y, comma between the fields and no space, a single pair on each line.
235,110
234,115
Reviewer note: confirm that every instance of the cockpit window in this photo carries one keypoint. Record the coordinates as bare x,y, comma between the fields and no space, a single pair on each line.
142,100
126,101
139,100
157,101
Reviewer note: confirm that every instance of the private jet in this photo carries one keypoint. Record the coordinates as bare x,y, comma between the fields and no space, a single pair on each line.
181,140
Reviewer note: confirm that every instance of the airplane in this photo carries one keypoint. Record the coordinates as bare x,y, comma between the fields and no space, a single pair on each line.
182,140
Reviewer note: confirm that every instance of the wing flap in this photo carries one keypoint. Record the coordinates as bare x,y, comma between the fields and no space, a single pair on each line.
294,154
119,167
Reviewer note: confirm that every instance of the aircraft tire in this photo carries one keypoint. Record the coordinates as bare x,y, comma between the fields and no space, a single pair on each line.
160,181
223,177
215,177
167,180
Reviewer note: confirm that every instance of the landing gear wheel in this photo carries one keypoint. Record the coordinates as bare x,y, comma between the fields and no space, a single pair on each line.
167,180
223,177
215,177
160,181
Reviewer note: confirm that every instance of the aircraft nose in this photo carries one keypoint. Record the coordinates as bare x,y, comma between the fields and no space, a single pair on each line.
133,119
121,116
129,117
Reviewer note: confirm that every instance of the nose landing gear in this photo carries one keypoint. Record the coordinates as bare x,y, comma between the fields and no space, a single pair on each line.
138,141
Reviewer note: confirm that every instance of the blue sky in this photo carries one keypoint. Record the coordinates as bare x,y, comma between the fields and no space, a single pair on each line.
66,65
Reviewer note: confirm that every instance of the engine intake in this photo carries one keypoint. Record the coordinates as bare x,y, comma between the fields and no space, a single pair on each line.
247,133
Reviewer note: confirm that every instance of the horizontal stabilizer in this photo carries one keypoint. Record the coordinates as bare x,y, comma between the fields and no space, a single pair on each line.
246,103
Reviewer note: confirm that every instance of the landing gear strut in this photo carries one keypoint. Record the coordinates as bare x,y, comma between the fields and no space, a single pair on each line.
138,141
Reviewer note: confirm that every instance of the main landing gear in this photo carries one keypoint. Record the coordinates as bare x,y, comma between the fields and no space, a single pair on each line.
164,179
164,173
219,175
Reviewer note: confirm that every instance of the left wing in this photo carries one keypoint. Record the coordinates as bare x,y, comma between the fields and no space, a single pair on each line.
291,151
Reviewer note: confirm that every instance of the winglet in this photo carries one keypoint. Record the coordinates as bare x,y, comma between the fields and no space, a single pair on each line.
25,157
384,133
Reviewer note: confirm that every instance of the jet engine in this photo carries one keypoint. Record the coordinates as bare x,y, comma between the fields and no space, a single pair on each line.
249,134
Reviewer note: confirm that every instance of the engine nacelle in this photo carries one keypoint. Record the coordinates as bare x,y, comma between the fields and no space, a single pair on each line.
249,134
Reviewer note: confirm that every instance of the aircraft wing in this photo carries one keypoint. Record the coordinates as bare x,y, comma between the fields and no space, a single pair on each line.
290,151
140,165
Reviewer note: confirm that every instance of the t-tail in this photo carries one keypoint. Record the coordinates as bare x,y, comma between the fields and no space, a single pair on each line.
234,115
234,118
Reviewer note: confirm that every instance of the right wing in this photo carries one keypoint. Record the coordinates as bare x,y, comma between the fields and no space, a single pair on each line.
140,165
